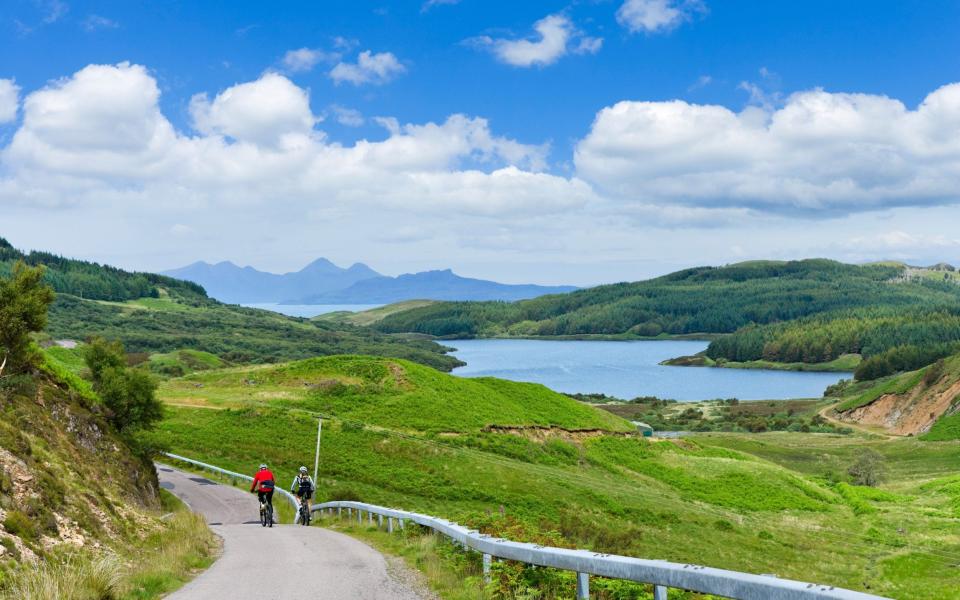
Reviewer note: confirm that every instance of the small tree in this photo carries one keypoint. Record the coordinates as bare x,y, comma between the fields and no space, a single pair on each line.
24,300
869,468
129,394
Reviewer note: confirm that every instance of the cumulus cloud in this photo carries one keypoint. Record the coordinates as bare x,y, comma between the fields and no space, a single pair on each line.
9,100
268,111
555,36
99,137
657,16
376,69
819,153
350,117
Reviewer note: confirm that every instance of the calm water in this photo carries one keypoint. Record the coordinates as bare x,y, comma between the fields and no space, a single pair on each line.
629,369
311,310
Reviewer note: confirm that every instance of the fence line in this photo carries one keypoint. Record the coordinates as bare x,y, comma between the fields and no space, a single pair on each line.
659,573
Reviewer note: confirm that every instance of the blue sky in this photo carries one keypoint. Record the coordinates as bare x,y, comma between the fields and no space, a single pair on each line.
539,104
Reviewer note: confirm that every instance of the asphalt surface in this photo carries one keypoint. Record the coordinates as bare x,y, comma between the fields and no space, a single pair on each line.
285,562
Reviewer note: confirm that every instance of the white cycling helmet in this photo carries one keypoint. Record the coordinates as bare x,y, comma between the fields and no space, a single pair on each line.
303,469
263,466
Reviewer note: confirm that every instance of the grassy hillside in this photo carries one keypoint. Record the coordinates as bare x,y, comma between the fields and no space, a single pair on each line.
374,315
810,311
390,393
408,437
171,323
156,314
94,281
71,487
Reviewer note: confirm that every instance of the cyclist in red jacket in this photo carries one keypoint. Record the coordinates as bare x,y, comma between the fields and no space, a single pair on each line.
263,485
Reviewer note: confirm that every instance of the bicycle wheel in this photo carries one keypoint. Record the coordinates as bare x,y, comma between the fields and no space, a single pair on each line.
270,515
263,515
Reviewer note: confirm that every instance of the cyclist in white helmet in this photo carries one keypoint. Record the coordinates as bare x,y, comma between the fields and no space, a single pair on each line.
303,487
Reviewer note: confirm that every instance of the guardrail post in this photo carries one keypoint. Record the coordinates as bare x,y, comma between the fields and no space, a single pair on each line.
389,524
370,520
339,512
659,592
487,563
379,521
349,513
400,521
359,517
583,586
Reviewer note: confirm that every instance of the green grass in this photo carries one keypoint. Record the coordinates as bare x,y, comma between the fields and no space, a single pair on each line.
756,503
236,334
897,384
369,317
391,393
181,362
946,428
69,358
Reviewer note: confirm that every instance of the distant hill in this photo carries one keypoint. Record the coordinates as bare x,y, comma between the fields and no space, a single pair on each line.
811,311
228,282
429,285
322,282
152,313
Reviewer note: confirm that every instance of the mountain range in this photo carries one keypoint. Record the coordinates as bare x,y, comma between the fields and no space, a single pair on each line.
322,282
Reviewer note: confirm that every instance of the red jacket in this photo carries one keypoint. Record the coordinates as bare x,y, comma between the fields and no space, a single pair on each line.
261,477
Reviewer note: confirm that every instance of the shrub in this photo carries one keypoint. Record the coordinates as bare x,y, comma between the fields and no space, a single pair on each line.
20,525
868,469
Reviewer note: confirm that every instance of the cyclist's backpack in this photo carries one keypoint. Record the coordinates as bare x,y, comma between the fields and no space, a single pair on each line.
306,486
267,485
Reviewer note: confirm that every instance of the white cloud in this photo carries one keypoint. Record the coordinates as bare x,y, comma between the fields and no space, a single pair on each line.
305,59
656,16
372,68
350,117
95,22
268,111
820,153
588,45
9,100
701,82
555,35
98,138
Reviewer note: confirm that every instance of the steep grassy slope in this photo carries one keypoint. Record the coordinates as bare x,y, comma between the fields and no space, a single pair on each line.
70,486
923,402
406,438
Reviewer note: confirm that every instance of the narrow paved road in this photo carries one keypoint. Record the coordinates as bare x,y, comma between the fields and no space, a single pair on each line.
286,562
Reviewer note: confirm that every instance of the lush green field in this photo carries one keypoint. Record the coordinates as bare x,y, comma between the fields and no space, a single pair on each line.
412,439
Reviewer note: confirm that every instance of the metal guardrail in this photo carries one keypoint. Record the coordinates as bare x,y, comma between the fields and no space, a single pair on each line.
659,573
284,493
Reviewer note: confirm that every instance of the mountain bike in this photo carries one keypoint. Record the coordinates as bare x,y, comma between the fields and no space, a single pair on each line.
266,513
304,513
